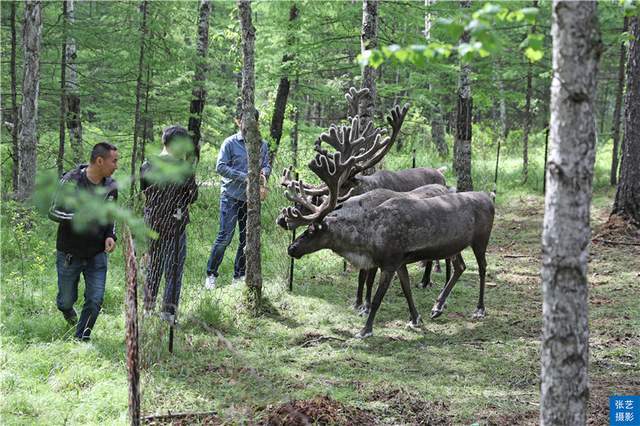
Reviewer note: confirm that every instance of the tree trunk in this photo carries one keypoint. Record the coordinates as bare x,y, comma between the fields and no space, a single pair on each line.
294,137
199,92
627,201
63,98
147,120
615,128
28,137
280,105
369,41
14,100
437,125
527,115
464,113
144,6
253,143
566,232
74,118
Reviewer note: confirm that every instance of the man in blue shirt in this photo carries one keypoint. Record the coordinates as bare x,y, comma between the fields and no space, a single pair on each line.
232,165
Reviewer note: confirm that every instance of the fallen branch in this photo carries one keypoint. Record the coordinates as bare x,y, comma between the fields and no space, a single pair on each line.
623,243
320,339
515,256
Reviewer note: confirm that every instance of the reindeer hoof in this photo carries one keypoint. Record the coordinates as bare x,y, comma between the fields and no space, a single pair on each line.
479,314
437,310
364,310
414,325
364,333
430,284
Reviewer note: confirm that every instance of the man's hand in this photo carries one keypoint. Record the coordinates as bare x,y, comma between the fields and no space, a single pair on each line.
109,245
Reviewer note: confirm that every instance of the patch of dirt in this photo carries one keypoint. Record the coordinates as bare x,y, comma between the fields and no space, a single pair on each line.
599,393
412,409
520,419
321,410
617,230
183,419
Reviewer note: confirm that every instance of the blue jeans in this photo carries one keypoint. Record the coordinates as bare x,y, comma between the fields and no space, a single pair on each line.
232,211
162,261
94,270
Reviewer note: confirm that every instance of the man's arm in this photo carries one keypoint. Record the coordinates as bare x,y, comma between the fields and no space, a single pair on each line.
223,166
265,164
57,212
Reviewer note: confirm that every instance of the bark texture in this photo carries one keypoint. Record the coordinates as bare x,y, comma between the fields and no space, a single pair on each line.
137,125
28,136
368,41
72,90
63,98
14,99
627,201
249,128
199,92
437,123
617,112
464,114
566,234
284,86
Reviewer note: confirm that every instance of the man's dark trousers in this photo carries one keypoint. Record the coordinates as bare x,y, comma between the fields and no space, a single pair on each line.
94,270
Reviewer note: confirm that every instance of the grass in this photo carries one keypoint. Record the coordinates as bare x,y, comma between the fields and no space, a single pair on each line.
452,371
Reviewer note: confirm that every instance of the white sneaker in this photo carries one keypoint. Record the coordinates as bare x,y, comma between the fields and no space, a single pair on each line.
238,281
210,282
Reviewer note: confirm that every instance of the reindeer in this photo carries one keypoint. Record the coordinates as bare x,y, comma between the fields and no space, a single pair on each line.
399,231
398,181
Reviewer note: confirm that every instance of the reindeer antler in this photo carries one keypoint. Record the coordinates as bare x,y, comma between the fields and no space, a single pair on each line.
333,172
353,97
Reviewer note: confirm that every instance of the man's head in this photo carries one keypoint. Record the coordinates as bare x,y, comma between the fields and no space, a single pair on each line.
104,158
179,142
238,118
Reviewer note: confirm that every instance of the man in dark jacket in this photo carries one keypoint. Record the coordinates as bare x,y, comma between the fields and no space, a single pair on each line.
82,247
169,185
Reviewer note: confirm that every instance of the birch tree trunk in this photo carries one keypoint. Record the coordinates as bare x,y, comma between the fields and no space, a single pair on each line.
72,92
28,136
137,125
284,85
615,127
249,128
627,201
566,233
199,92
464,114
14,100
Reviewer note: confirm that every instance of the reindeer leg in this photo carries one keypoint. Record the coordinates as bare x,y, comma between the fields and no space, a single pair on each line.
403,274
426,278
479,252
458,269
371,277
447,263
383,286
362,276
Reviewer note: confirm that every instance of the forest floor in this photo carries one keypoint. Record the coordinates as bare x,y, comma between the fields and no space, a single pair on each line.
298,361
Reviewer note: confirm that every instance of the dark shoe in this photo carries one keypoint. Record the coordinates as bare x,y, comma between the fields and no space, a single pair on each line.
83,339
71,317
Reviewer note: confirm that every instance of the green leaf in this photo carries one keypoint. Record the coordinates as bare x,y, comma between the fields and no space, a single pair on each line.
533,55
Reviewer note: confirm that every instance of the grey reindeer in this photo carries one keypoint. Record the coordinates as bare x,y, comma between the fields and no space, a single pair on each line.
397,232
398,181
